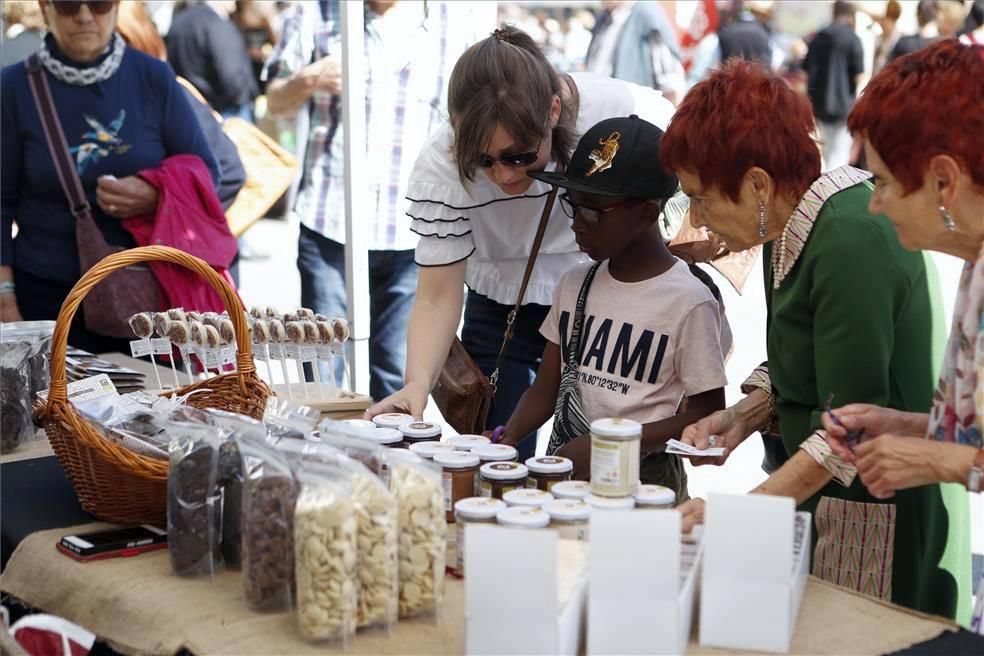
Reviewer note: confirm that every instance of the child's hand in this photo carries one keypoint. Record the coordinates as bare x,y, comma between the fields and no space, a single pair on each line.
578,451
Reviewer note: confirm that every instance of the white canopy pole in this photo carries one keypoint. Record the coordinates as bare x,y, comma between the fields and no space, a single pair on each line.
356,188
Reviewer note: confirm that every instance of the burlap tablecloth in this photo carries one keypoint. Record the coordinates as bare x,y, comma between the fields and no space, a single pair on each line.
138,607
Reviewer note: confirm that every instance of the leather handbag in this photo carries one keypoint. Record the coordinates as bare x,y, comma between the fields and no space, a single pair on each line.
108,307
463,392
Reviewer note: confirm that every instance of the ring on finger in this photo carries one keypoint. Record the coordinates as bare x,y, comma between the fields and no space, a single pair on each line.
112,208
712,440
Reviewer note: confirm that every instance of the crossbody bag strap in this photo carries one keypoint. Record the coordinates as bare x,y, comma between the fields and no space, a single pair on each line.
575,347
511,319
55,137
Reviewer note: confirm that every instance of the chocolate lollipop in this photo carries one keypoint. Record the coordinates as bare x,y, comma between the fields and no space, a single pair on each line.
211,319
177,332
261,337
278,334
196,333
271,312
160,320
312,336
142,325
191,315
342,333
176,314
305,313
295,333
326,336
291,317
320,317
257,312
227,332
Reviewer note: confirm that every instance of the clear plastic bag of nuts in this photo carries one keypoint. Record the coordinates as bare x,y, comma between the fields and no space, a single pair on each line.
194,500
269,497
417,486
326,554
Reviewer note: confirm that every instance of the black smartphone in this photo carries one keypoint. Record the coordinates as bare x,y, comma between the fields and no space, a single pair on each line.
113,543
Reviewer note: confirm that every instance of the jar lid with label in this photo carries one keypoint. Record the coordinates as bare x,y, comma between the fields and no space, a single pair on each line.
494,452
428,450
568,510
456,460
523,517
655,496
384,436
610,503
420,430
616,428
527,497
571,489
359,423
504,471
478,508
467,442
391,419
549,465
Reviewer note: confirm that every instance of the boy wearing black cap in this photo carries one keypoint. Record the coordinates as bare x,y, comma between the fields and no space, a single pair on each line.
634,333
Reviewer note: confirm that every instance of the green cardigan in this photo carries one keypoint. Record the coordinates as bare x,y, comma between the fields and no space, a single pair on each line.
859,316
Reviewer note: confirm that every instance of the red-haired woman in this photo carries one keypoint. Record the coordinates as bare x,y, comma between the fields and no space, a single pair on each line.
929,181
850,313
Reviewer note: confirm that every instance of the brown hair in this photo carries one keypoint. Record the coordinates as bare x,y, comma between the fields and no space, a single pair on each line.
138,30
505,80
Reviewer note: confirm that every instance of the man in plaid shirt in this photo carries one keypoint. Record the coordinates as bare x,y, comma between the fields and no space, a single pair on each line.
410,50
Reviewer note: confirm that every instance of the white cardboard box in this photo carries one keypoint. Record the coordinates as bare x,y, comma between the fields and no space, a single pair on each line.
524,592
756,559
640,595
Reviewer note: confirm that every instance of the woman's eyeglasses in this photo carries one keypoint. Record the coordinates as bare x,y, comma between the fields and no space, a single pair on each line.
72,7
590,215
515,159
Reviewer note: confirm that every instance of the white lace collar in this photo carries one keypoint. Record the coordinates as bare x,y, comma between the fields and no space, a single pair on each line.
85,76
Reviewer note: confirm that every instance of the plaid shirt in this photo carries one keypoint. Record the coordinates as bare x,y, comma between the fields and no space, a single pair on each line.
409,57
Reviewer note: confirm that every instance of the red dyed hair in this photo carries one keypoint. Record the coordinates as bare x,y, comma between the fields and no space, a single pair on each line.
928,103
739,117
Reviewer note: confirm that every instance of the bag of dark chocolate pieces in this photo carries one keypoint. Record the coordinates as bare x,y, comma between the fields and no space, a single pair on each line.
37,334
194,500
15,394
286,420
269,495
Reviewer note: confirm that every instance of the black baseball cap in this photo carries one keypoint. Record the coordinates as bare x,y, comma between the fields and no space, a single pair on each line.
618,157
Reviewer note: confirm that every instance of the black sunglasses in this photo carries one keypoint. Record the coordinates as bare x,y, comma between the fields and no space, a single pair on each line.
514,159
590,215
72,7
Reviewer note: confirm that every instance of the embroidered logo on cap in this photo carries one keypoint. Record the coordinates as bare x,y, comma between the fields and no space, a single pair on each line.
602,157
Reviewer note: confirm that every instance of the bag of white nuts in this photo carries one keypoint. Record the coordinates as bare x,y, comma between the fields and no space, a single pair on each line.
417,486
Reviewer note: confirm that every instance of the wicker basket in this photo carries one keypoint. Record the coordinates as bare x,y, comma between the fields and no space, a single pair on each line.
113,483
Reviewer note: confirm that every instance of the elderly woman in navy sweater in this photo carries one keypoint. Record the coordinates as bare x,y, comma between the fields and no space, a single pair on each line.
121,112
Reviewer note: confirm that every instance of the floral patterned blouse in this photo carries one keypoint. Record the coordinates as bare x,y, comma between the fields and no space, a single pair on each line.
958,405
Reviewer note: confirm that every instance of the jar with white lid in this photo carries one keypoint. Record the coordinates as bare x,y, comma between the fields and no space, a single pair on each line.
421,431
389,437
527,497
473,510
571,490
654,497
497,478
360,423
547,471
467,442
569,517
523,517
610,503
458,478
427,450
495,452
615,445
391,419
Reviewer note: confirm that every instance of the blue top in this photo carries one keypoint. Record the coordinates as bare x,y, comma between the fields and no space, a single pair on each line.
128,123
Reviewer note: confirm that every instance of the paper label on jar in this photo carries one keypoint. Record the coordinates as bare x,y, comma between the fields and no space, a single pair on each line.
141,347
459,559
485,489
161,346
605,464
448,483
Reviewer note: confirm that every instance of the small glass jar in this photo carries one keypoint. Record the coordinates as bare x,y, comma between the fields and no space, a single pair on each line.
571,490
420,431
427,450
467,442
523,517
615,447
360,423
388,437
473,510
495,453
391,419
459,478
527,497
654,497
497,478
546,471
569,517
610,503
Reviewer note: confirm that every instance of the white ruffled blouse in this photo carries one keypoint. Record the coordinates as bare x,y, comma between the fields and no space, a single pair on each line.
493,230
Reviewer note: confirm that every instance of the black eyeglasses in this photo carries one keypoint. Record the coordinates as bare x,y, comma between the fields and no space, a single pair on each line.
515,159
72,7
590,215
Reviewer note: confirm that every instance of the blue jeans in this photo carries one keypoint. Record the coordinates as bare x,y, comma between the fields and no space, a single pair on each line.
485,324
244,111
392,284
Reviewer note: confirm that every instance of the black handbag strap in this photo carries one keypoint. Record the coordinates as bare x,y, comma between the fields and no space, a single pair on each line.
55,138
541,230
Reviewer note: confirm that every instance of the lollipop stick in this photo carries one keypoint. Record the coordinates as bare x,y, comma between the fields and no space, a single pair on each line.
316,365
266,358
174,370
300,377
283,365
157,375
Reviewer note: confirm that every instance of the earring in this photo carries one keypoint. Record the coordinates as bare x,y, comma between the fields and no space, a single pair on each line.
948,221
761,220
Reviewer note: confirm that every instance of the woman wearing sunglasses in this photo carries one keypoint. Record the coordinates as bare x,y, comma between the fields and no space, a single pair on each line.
121,112
851,313
476,210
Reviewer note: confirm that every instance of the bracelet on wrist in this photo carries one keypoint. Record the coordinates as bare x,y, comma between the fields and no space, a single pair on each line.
764,430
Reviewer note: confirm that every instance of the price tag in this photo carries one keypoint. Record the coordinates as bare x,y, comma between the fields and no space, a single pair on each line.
140,348
309,354
338,348
227,355
290,351
324,352
276,351
208,357
161,346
